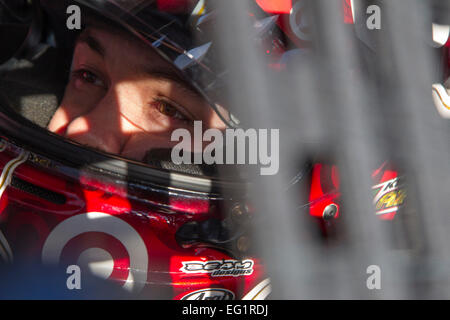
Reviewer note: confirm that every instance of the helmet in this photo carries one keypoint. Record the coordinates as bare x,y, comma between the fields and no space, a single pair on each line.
157,230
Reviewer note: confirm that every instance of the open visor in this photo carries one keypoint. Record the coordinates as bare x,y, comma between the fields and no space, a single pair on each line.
181,34
184,33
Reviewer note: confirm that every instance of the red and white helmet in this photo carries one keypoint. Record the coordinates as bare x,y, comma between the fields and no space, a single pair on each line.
157,230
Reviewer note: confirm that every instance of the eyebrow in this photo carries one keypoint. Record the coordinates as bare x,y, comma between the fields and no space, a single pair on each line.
92,42
167,74
161,73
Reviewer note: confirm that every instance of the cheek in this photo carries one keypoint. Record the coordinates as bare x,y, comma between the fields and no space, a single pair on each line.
216,122
73,105
212,121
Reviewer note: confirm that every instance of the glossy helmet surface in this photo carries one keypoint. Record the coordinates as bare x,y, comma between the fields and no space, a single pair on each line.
157,232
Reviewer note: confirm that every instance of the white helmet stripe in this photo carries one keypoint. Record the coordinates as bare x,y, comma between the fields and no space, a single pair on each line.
8,170
260,291
441,100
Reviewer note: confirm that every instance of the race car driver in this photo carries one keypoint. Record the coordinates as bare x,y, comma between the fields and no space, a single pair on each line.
123,98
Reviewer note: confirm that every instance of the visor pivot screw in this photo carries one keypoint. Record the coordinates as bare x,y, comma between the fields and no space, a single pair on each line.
239,213
330,212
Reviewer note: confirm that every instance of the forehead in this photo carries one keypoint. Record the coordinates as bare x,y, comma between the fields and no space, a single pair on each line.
126,55
116,44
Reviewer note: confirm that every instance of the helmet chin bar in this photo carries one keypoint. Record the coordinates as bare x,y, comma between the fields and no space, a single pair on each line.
441,100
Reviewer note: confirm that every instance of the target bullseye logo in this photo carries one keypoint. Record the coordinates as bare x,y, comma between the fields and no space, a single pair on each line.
103,244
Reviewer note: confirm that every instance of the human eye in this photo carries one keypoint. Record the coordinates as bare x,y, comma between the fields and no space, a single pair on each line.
88,77
171,110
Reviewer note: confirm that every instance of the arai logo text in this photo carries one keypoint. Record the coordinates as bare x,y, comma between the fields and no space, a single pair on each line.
209,294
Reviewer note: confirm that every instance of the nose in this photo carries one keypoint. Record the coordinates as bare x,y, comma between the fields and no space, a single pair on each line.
88,132
100,127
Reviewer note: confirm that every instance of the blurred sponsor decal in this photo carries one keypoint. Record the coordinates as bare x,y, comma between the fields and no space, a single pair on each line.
388,196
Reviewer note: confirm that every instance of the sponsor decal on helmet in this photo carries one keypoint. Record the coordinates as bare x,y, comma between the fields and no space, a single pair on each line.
388,196
219,268
83,231
209,294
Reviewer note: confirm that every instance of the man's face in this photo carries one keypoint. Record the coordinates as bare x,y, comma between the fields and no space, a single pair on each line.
124,99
